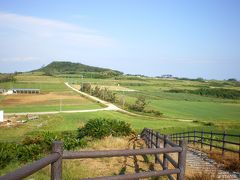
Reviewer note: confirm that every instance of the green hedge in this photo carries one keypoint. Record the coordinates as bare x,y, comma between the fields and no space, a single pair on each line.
100,127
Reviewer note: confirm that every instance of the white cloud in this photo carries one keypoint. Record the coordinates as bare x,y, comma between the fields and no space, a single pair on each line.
61,32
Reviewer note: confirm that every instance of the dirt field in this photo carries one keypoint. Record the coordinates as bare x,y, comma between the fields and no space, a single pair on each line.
26,99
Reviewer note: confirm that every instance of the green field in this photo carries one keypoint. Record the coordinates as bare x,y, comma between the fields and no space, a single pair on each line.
181,111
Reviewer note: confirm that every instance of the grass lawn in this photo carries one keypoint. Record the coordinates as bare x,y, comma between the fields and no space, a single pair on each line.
70,122
206,111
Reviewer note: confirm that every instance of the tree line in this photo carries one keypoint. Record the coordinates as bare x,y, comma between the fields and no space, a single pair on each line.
211,92
7,78
105,94
102,93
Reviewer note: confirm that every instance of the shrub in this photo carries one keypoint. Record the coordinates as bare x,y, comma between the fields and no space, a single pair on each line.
45,140
120,128
208,123
33,146
86,87
100,127
155,112
139,105
28,153
7,154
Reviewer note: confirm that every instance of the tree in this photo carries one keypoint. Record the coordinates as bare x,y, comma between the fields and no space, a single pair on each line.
86,87
96,91
139,105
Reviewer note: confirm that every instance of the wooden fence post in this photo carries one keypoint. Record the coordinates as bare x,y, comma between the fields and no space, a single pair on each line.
202,139
223,142
147,136
194,136
165,161
211,138
56,167
157,146
188,136
182,160
239,149
152,139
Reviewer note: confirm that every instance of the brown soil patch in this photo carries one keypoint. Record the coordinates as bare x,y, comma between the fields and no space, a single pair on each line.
23,99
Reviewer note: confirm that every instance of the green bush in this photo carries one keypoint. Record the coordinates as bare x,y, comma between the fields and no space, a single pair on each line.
28,153
34,146
154,112
139,105
100,127
7,153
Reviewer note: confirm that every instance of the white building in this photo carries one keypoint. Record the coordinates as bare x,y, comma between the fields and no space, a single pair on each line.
1,115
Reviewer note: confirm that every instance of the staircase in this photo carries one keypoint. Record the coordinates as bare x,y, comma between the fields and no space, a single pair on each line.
197,162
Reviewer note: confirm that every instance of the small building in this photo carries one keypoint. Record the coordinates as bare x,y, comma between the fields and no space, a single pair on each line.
26,91
1,116
2,91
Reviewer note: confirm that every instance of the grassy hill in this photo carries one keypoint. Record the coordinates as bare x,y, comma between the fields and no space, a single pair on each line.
64,67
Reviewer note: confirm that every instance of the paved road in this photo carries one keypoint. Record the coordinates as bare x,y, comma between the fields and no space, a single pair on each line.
109,106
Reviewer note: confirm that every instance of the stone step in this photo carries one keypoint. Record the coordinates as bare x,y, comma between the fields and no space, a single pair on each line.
197,161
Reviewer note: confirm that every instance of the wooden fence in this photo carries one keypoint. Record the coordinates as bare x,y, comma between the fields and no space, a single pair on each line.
152,139
156,140
211,139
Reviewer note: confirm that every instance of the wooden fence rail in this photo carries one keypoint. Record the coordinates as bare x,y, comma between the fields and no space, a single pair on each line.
152,139
156,140
211,139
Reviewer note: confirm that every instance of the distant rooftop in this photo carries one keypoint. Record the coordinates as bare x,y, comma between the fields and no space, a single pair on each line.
20,89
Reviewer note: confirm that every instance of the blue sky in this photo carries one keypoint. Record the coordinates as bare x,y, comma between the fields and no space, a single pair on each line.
183,38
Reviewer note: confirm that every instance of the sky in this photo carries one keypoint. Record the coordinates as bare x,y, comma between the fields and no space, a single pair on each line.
184,38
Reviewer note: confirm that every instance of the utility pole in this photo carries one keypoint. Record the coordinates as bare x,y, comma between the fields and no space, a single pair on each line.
60,105
123,99
81,82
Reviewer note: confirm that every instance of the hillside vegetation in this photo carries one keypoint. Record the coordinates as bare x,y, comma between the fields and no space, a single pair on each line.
211,92
64,67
